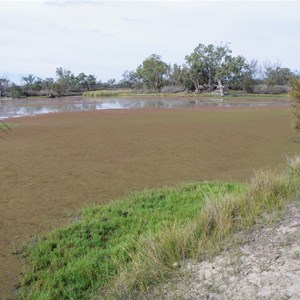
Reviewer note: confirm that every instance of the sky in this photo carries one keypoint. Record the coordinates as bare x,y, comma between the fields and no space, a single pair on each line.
105,38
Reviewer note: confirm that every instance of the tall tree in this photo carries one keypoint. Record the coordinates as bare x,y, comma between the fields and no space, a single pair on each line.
275,75
32,84
175,75
251,75
66,81
211,65
47,85
85,82
130,79
91,82
152,72
4,86
198,68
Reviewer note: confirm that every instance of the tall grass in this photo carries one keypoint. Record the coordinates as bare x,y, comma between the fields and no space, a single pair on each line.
147,93
119,250
108,93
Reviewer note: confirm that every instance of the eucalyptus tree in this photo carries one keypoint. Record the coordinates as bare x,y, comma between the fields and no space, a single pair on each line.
251,75
211,65
65,82
85,82
175,75
4,86
91,82
152,72
47,85
277,75
197,68
16,91
32,84
129,79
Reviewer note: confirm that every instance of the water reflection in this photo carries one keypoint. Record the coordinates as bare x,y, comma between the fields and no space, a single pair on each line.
26,107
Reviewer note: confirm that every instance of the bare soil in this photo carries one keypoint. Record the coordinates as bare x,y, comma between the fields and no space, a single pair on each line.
267,266
57,163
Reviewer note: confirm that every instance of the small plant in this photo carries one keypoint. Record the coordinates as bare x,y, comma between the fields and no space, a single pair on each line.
5,129
296,255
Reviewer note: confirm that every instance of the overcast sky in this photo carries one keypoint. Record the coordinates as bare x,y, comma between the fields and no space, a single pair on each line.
107,38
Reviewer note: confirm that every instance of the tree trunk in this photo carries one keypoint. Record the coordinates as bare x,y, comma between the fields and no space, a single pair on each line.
221,87
197,87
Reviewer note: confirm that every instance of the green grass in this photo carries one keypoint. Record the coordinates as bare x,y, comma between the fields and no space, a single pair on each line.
72,262
118,251
5,126
130,92
6,129
109,93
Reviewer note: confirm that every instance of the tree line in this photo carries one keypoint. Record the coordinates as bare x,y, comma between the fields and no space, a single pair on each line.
208,68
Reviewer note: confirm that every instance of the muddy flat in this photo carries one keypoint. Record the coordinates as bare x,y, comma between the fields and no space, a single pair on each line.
57,163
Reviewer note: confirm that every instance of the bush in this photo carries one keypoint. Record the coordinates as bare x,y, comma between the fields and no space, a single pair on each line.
170,89
274,89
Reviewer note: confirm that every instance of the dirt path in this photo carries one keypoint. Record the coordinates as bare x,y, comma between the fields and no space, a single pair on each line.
267,266
56,163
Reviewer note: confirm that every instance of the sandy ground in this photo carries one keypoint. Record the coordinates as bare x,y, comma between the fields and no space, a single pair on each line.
267,266
57,163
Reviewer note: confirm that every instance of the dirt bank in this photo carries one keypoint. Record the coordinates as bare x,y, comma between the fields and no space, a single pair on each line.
267,266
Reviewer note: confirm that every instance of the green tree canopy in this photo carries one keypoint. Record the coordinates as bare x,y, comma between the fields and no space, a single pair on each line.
152,72
66,81
211,65
4,86
277,75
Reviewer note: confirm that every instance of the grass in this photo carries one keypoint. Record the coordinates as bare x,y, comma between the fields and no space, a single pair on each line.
108,93
6,128
123,248
71,262
140,93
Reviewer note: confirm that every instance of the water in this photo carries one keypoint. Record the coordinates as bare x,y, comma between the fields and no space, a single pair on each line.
28,107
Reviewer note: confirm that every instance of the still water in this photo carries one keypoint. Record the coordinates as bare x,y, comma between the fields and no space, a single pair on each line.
28,107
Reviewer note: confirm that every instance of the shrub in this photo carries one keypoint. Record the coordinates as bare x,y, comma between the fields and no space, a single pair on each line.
274,89
173,89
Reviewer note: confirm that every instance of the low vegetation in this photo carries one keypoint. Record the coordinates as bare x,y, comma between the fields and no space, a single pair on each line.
109,93
73,261
6,129
119,250
142,93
